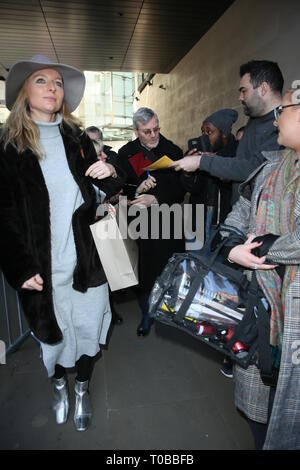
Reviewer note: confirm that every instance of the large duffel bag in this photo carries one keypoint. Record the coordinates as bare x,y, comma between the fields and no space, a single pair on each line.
216,304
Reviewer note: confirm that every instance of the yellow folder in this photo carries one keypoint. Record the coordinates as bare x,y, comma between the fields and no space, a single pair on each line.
160,164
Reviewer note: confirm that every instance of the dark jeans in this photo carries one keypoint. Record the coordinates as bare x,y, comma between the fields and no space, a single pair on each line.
259,430
143,300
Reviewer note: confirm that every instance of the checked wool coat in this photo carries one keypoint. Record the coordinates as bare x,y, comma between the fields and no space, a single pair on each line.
251,395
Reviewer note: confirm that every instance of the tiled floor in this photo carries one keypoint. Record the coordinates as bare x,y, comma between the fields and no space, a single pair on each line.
164,391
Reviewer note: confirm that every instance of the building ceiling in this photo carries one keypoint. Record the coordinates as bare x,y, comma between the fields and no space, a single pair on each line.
123,35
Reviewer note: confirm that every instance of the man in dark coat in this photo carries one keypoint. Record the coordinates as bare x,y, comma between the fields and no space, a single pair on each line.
214,193
163,187
260,93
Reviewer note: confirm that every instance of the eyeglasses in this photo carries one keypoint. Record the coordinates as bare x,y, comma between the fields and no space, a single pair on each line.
279,109
155,130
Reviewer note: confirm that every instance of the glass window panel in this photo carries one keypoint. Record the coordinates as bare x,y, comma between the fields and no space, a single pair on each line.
108,101
129,111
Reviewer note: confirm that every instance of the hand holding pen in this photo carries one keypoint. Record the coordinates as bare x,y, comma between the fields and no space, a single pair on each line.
147,184
141,199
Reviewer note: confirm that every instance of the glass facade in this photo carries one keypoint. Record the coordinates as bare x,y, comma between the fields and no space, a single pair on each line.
3,110
108,104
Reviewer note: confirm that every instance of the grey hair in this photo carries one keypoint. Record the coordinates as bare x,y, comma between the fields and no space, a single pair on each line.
143,115
95,130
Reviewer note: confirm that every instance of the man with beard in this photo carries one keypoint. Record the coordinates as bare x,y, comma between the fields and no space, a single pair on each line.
261,84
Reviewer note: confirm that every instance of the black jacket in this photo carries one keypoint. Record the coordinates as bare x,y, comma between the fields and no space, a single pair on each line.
154,253
209,190
168,187
112,157
25,238
259,134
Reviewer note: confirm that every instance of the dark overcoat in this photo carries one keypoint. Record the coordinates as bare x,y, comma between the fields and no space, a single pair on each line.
155,252
25,235
210,190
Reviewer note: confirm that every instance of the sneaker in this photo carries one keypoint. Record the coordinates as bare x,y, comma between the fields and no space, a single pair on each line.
226,368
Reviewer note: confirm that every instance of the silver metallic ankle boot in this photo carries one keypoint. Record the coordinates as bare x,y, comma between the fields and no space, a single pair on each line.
83,409
60,399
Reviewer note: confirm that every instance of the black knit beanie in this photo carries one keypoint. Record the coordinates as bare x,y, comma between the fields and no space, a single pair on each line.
223,119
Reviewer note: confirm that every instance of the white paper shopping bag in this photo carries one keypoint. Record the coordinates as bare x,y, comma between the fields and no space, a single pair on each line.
118,253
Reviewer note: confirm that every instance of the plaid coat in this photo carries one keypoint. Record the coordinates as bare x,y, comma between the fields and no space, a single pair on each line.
251,395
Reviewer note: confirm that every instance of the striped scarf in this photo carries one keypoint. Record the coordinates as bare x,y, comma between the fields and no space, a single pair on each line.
275,215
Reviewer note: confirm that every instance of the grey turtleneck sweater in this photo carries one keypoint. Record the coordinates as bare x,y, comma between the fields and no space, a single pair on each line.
65,196
83,318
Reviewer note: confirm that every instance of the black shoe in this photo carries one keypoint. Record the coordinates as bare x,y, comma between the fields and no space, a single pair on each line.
226,368
117,319
145,326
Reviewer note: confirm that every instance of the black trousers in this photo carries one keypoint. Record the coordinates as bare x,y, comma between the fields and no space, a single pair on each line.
84,367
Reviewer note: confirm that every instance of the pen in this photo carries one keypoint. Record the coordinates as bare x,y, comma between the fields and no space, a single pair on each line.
148,174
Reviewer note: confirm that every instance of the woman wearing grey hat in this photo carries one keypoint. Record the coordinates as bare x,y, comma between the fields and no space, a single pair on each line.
48,167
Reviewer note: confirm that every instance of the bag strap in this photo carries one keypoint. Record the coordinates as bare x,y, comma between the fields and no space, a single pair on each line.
248,315
235,275
210,262
179,317
235,234
263,330
213,257
263,326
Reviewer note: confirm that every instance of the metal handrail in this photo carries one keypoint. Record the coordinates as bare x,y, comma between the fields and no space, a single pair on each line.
13,343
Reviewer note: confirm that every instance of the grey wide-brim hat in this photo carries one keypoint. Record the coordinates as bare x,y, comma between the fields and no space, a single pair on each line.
73,79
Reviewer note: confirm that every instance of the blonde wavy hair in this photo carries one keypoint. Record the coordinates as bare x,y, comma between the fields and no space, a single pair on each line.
20,130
